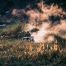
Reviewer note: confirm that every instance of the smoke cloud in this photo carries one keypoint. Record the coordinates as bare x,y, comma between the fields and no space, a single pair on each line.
47,19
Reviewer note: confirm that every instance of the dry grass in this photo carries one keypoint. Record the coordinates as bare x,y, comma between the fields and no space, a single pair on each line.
13,51
19,47
10,50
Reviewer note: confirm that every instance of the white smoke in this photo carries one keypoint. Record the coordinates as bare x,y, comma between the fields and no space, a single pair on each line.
42,19
46,29
39,36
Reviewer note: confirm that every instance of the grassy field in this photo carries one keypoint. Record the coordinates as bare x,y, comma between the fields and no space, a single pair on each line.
18,52
15,52
9,28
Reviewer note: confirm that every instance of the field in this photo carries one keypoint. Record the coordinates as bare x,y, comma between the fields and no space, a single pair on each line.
16,52
46,25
